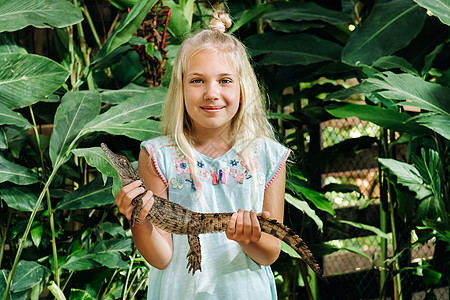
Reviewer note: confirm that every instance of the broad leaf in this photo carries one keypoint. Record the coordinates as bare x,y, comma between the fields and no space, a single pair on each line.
7,116
15,173
28,274
292,49
92,195
373,229
307,11
9,45
419,93
390,27
178,25
251,14
383,117
439,8
26,79
128,26
304,207
19,197
394,62
36,233
76,109
140,130
438,123
137,108
118,96
96,158
80,260
17,14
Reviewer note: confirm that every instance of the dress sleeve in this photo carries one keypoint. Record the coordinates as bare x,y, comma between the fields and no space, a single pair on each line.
154,148
273,157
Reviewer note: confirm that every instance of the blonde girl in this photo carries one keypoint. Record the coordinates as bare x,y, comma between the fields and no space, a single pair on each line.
217,154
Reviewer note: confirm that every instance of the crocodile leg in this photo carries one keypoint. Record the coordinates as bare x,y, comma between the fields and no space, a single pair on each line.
194,255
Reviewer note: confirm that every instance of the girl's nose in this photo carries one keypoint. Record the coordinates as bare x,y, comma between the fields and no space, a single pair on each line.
212,92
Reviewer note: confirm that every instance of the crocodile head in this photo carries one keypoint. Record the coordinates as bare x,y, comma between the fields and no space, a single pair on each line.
127,173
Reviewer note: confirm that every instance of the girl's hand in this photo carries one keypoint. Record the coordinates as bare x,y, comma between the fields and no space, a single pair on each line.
127,194
244,226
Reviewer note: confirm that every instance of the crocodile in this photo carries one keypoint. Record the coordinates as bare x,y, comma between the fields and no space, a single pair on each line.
176,219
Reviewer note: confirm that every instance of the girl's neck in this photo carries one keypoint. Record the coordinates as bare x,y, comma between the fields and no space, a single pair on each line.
212,146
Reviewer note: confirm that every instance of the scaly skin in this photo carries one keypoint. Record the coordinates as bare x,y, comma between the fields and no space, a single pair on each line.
176,219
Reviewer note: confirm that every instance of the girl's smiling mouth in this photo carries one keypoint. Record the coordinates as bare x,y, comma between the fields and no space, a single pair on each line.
212,109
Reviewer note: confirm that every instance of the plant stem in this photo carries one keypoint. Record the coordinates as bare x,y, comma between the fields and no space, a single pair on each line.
53,240
3,236
28,228
91,24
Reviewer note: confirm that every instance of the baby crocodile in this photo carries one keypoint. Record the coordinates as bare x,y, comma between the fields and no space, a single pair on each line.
176,219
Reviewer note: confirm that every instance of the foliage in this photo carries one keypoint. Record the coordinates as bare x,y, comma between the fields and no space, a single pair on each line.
59,227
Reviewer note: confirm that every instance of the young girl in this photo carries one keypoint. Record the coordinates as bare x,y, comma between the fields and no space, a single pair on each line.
217,154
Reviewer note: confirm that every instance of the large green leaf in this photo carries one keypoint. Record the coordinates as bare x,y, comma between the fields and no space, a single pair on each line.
383,117
405,175
9,45
15,173
419,93
128,26
178,25
96,158
373,229
306,11
19,197
437,123
93,194
9,117
251,14
76,109
292,49
439,8
28,274
118,96
390,27
304,207
17,14
25,78
134,109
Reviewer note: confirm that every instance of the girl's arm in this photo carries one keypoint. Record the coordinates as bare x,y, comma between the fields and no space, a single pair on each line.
244,226
154,244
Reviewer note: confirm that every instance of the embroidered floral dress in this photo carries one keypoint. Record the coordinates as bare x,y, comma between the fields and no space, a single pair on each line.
226,185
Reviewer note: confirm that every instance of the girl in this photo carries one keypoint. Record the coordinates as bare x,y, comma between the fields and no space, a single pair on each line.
217,154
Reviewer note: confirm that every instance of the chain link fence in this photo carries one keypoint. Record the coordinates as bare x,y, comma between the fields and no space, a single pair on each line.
355,273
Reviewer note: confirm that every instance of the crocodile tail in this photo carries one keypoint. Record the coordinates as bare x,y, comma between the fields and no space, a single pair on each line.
287,235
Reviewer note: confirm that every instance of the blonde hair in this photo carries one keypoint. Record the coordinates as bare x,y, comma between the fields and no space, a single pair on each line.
250,121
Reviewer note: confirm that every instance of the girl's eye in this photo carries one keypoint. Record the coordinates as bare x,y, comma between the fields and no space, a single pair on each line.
196,81
226,80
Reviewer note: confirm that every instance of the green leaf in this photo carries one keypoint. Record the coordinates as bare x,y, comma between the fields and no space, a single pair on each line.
390,27
76,109
373,229
387,118
80,260
292,49
439,8
26,79
394,62
94,194
300,187
28,274
36,232
405,175
18,14
132,110
118,96
304,207
9,45
77,294
307,11
15,173
438,123
140,130
251,14
178,25
9,117
419,93
96,158
124,32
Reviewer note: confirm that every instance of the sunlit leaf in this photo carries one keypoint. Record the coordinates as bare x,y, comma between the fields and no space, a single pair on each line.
7,116
304,207
439,8
17,14
26,78
251,14
76,109
373,229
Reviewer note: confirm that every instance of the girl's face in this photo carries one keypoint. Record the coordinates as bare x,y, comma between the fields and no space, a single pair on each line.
211,92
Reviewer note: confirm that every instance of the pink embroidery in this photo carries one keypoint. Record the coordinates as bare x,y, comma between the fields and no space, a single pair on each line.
234,172
155,164
279,169
215,178
182,166
241,178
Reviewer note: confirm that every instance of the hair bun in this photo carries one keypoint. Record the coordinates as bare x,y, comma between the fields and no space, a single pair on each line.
220,22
